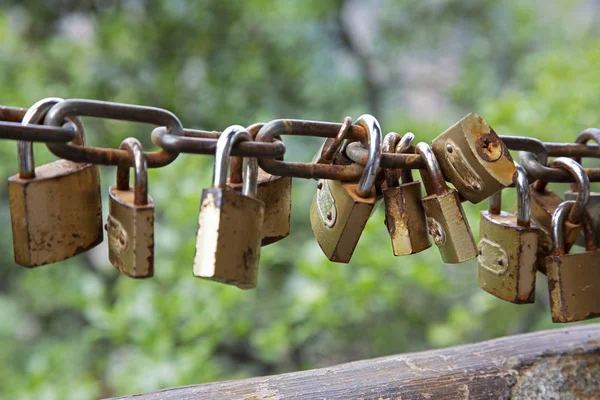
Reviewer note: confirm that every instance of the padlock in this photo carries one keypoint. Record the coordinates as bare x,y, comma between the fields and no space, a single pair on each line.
404,214
544,202
230,222
593,206
507,247
446,219
474,159
573,279
275,191
56,209
340,210
130,223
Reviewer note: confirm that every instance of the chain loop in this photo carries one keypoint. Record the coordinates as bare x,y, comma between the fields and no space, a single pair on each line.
118,111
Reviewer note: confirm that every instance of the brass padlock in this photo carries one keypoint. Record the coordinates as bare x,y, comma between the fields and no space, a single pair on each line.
508,247
573,279
544,202
230,222
56,209
474,159
593,206
404,214
130,224
446,219
275,191
340,210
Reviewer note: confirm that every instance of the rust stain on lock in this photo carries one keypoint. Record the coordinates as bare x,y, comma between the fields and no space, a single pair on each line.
405,218
474,158
130,231
57,214
490,147
276,192
338,240
573,284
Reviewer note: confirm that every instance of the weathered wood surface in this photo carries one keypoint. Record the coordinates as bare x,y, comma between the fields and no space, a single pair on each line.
556,364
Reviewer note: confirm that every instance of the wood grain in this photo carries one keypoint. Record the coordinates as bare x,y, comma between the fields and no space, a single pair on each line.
556,364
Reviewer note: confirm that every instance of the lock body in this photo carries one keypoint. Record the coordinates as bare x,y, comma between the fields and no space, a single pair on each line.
574,285
338,217
229,237
276,192
448,225
507,257
543,204
474,159
130,230
57,214
593,209
405,218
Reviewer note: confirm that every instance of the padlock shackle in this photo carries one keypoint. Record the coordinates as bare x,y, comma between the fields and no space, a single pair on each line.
367,180
140,167
389,146
521,183
236,168
583,186
394,144
558,222
226,141
404,146
329,155
523,197
34,116
432,175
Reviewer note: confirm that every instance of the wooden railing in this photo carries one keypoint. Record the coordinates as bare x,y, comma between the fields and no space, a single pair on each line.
556,364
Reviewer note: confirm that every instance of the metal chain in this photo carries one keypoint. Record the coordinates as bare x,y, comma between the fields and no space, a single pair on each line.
172,139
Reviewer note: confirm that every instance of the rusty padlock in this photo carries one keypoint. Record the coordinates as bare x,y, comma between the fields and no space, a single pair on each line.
573,279
446,219
508,247
56,209
593,206
474,159
230,222
340,210
404,214
544,202
130,223
275,191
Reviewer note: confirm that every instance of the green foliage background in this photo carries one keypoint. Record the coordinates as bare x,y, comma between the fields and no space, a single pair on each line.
78,330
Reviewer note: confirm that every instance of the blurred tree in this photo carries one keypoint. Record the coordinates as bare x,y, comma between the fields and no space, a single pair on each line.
78,330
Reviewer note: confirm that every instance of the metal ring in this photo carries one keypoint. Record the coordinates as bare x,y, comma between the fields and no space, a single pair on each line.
529,144
33,116
405,142
389,145
329,155
118,111
544,174
557,228
583,183
204,142
434,178
367,180
140,167
280,127
225,143
523,197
